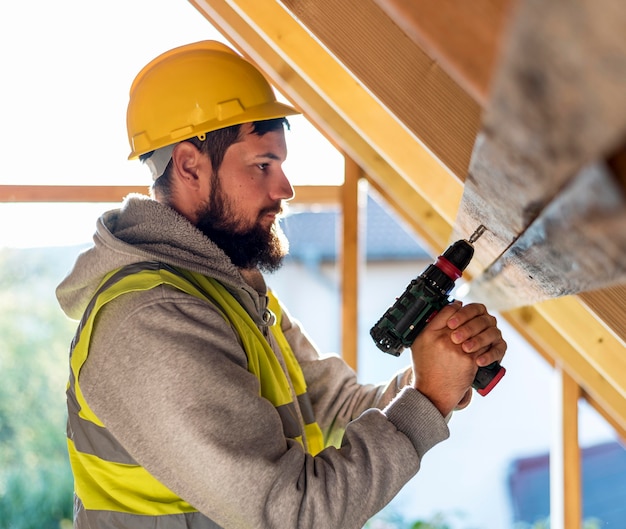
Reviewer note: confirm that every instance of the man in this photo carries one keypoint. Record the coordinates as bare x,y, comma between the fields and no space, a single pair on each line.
194,399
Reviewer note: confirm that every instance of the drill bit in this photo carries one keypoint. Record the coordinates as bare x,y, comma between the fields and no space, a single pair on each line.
476,235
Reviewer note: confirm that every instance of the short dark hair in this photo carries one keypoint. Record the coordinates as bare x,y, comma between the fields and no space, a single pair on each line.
214,145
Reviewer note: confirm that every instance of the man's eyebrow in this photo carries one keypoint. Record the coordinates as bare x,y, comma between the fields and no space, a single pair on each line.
269,155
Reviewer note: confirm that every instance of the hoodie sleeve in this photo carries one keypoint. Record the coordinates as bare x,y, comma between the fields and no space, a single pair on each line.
337,396
167,376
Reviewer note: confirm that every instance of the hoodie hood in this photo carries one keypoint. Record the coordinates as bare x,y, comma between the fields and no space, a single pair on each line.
143,229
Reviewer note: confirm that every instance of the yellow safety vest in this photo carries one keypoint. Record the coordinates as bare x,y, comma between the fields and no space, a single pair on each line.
106,477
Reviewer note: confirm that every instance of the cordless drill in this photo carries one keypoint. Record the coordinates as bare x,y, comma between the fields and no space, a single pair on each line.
426,295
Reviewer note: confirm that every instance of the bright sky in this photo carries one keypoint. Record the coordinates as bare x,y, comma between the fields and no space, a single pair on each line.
67,67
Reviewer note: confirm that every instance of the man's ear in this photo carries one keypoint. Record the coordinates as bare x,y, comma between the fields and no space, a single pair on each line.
189,165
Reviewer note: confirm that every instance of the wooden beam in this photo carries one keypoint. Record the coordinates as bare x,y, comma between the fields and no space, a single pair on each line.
593,340
50,193
304,195
557,105
576,244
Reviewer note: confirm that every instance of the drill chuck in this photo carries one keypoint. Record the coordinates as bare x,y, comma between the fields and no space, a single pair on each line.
459,256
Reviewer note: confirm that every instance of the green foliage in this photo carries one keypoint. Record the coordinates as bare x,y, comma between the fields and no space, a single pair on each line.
544,523
35,479
391,519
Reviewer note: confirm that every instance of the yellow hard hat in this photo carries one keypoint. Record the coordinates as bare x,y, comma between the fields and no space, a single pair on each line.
195,89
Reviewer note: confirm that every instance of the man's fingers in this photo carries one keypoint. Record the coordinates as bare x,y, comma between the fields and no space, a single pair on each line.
495,353
465,314
472,329
441,319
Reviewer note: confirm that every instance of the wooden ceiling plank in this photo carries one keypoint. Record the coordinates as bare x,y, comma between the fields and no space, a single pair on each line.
557,104
609,305
464,37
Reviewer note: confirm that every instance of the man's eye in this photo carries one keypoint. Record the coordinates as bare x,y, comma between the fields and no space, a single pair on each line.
263,166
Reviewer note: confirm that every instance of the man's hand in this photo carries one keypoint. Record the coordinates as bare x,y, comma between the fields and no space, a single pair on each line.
448,352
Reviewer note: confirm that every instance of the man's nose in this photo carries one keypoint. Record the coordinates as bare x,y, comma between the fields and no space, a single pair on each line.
283,189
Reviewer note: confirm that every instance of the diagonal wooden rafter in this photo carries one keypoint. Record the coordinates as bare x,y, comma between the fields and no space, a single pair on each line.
403,79
360,117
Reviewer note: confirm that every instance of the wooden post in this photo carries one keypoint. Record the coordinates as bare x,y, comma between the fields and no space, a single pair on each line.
565,464
350,258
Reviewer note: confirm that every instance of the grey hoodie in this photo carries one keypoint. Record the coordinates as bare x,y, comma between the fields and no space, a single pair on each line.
168,378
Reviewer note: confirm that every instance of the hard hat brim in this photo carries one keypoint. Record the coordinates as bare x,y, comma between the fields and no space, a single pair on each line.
263,112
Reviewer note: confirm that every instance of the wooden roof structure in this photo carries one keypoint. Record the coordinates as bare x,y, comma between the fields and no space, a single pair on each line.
510,114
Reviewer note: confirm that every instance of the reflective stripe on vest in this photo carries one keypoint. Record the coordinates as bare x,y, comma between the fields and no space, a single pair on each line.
106,476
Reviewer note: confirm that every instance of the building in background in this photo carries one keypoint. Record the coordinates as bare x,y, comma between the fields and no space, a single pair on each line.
604,486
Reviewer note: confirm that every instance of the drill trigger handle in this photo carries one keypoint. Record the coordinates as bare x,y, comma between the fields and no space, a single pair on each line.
487,377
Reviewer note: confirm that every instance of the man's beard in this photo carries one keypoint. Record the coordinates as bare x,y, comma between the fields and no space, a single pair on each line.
255,247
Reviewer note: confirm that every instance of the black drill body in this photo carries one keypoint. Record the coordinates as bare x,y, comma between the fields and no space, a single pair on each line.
426,295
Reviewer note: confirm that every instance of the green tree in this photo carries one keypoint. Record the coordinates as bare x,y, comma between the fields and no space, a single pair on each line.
35,479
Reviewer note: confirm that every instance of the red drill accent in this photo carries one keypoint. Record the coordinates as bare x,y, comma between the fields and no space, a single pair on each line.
448,268
492,384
